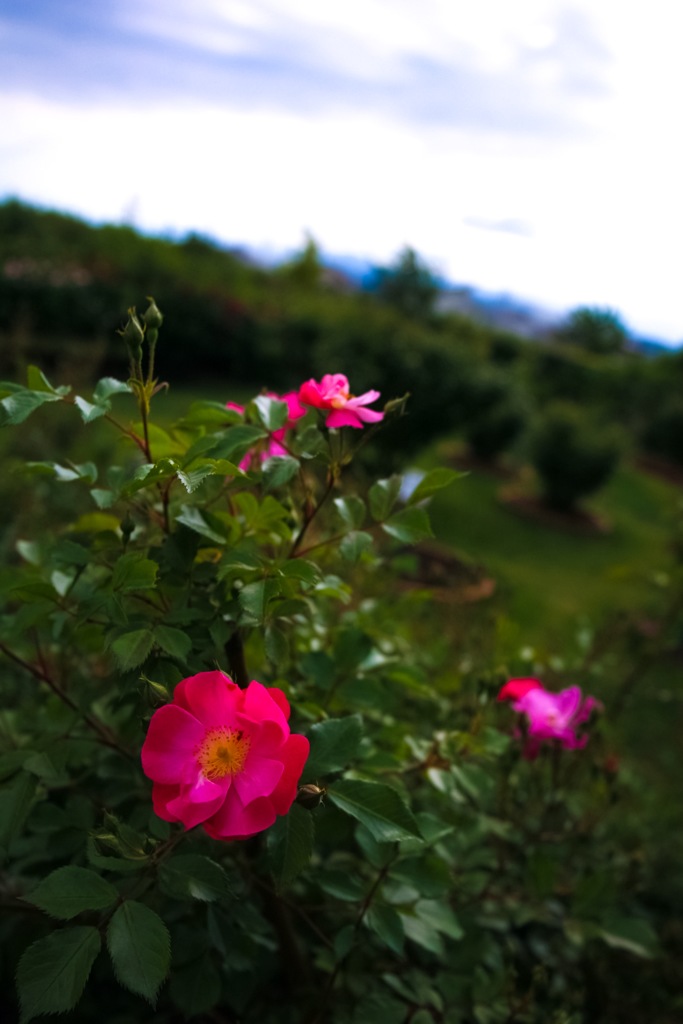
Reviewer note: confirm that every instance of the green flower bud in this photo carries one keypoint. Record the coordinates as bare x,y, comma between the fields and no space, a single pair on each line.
133,335
153,316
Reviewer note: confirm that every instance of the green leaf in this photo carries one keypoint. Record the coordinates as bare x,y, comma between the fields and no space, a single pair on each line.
439,915
309,442
70,890
206,413
355,544
108,386
383,495
194,877
377,806
387,925
17,407
341,885
203,524
423,934
279,470
351,510
131,649
276,646
195,988
271,411
88,411
37,381
334,744
66,474
254,597
435,480
140,949
173,641
236,442
134,572
630,933
53,971
15,803
409,525
291,844
299,569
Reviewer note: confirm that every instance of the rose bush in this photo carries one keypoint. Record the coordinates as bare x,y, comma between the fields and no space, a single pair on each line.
393,857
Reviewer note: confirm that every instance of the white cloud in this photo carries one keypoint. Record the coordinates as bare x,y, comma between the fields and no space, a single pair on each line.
374,126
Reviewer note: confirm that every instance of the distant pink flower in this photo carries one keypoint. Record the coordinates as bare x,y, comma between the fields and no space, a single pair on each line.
274,445
222,757
333,393
550,716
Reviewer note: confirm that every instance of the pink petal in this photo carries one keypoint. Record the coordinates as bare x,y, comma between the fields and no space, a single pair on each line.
310,393
258,705
172,739
568,702
365,399
191,811
294,757
296,409
235,821
344,418
259,777
210,696
370,415
516,688
280,699
234,406
589,705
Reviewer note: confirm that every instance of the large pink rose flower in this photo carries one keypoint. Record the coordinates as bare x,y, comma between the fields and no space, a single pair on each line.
222,757
333,393
550,716
275,442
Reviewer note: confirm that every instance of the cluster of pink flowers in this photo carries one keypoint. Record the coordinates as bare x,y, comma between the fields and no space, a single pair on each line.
332,395
550,716
222,757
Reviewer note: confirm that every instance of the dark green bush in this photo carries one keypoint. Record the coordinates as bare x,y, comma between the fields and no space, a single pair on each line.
663,434
572,455
496,430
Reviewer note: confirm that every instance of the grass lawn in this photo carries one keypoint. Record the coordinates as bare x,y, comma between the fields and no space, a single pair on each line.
550,580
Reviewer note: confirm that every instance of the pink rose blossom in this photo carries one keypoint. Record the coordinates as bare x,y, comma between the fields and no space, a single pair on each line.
333,393
550,716
222,757
275,444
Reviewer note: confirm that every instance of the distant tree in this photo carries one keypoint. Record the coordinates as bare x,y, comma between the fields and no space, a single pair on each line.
305,268
408,285
594,329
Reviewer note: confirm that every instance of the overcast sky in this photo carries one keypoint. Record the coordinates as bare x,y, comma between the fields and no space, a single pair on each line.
524,146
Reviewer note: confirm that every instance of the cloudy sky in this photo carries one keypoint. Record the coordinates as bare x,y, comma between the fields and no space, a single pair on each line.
529,147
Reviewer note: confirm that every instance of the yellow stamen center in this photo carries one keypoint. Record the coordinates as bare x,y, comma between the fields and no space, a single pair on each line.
223,752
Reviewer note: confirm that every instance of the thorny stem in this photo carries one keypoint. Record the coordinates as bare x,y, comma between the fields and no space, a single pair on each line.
106,736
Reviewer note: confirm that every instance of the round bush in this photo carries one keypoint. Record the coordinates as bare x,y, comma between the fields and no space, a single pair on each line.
572,455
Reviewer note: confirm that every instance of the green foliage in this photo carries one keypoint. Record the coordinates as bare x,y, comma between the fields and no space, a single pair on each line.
572,456
425,870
